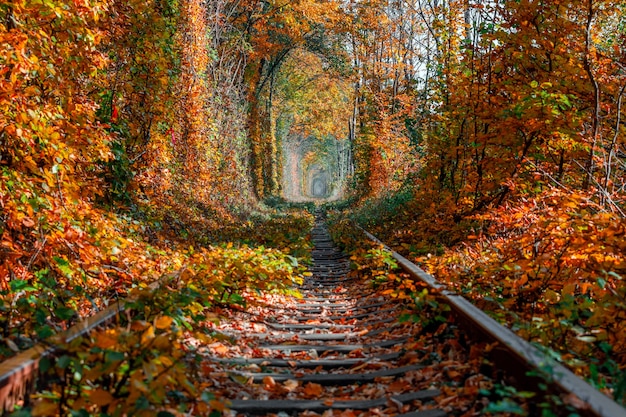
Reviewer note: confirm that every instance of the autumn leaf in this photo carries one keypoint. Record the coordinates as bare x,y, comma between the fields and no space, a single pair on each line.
220,349
28,222
312,390
147,335
101,397
291,385
269,383
218,405
44,408
163,322
397,386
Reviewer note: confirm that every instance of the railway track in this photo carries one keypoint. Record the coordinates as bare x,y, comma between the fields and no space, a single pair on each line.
341,350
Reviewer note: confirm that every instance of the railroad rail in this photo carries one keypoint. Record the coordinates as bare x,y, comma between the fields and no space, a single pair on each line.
513,349
332,349
19,373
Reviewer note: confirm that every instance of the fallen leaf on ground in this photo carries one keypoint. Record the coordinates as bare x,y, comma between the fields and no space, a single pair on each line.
312,390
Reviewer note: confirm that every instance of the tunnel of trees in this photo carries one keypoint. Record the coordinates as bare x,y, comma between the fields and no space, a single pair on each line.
485,140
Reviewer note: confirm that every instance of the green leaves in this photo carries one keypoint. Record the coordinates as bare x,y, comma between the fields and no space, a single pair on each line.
19,285
65,313
505,406
64,266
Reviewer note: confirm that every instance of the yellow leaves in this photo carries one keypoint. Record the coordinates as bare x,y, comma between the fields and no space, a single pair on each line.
165,360
53,161
544,85
147,336
163,322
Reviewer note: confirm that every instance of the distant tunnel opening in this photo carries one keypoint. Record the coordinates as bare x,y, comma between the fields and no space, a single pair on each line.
317,182
314,169
319,188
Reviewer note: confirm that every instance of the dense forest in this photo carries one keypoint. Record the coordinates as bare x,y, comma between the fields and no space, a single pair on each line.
485,140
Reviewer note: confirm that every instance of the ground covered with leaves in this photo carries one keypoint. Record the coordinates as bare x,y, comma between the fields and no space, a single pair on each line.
190,276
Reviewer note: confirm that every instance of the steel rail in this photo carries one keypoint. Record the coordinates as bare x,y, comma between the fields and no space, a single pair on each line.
597,404
19,373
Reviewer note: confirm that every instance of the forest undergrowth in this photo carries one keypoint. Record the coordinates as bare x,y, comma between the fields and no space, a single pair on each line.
119,254
138,364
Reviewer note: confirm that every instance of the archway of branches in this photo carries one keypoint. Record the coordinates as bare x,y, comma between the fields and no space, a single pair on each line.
313,110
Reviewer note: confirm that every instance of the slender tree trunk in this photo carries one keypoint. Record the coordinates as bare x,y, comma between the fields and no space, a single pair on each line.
595,118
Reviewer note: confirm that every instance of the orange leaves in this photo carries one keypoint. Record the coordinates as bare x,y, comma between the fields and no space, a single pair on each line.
100,397
279,24
163,322
106,340
52,151
291,385
398,386
44,408
391,158
269,383
549,259
90,95
312,390
220,348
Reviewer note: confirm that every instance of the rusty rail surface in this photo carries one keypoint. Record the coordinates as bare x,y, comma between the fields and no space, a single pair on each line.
18,374
516,348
